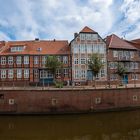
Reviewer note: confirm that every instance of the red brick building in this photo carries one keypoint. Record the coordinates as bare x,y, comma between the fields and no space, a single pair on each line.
126,54
23,62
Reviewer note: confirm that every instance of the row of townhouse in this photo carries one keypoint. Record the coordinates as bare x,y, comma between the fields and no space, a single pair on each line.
24,61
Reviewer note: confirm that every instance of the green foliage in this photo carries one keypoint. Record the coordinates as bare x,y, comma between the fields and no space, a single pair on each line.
121,70
52,64
58,84
95,64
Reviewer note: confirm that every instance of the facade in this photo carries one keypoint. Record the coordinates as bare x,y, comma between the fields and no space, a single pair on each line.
123,53
23,62
84,44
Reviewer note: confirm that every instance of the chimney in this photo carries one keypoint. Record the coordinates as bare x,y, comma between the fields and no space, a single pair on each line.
54,40
75,35
36,39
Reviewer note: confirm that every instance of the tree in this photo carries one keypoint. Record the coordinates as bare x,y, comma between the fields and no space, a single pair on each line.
95,65
121,70
52,64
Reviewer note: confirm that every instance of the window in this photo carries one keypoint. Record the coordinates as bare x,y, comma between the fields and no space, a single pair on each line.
132,54
113,65
76,73
83,61
35,73
58,73
18,60
10,73
89,48
76,49
26,73
3,60
82,48
65,59
83,73
97,100
3,73
11,101
94,36
66,71
44,58
88,36
134,77
19,73
17,48
46,74
82,36
101,49
134,65
115,53
75,60
26,59
135,97
59,58
113,77
10,60
102,73
35,59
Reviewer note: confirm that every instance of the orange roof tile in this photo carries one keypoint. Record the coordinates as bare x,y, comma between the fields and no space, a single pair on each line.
58,47
86,29
115,42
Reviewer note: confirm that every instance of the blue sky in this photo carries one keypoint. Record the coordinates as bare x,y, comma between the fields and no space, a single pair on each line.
60,19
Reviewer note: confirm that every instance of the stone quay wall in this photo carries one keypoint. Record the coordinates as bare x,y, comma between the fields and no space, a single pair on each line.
63,101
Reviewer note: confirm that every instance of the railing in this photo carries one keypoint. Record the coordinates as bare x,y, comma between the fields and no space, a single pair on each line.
91,85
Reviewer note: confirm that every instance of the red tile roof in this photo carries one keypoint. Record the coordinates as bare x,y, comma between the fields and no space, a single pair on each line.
86,29
58,47
115,42
136,40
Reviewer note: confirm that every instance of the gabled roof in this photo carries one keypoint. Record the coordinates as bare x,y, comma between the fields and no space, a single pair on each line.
136,40
86,29
50,47
114,42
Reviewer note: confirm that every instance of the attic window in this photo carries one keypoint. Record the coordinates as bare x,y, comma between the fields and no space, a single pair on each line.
39,49
17,48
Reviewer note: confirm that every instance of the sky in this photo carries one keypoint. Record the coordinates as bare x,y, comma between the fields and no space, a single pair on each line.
60,19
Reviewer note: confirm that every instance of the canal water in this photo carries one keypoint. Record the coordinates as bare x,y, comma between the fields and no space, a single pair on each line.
100,126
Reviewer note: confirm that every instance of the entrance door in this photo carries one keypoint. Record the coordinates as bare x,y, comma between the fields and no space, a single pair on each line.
125,79
89,75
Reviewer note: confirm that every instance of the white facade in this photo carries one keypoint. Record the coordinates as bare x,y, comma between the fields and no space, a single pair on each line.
82,47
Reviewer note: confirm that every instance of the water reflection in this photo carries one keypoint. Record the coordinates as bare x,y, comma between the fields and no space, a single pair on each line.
103,126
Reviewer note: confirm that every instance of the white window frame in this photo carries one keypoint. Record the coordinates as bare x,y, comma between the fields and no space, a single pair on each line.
76,61
26,60
36,74
83,60
26,73
36,60
115,53
19,73
10,73
66,72
3,60
44,58
10,60
83,73
134,76
18,60
65,59
3,73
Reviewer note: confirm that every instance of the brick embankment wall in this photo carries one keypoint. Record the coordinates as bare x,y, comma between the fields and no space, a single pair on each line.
67,101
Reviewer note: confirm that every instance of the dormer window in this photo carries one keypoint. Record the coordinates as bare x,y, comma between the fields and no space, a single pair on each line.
17,48
39,49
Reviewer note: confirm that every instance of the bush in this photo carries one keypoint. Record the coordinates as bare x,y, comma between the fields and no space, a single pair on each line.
59,84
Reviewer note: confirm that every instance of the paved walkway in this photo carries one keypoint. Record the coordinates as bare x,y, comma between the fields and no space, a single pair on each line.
70,87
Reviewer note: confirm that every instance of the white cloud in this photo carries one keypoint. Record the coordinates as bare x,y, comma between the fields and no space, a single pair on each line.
27,19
